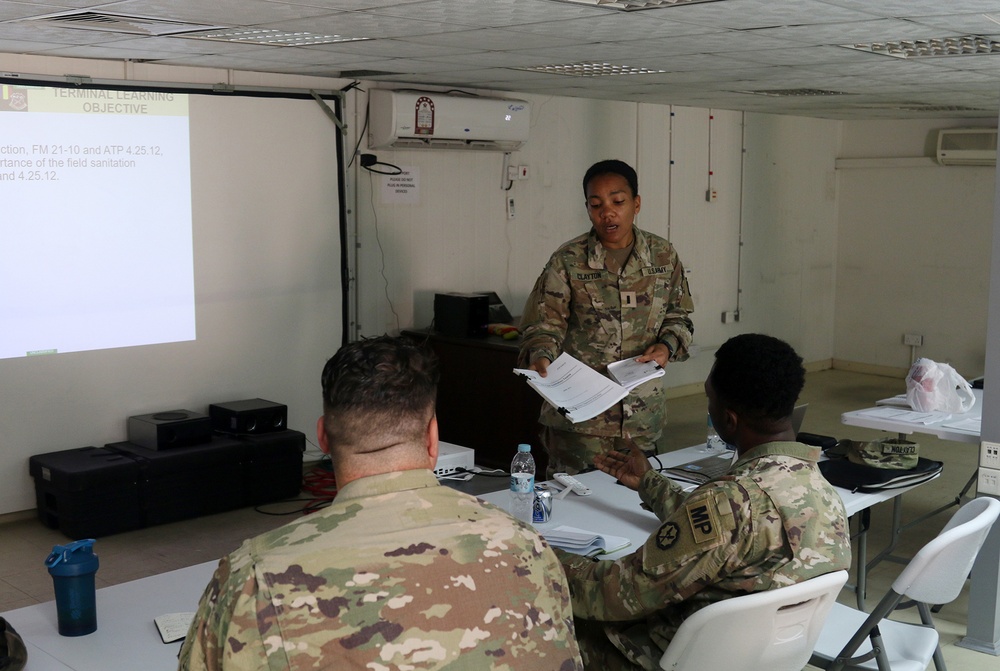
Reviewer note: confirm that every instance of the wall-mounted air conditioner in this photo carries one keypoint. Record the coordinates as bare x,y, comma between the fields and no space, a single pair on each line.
426,119
967,146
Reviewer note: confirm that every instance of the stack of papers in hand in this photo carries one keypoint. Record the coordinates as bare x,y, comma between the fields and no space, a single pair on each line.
629,373
576,390
581,542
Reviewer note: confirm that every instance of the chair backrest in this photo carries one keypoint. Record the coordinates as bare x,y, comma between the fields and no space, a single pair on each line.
773,630
937,573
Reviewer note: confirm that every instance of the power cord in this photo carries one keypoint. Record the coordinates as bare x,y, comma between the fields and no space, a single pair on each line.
369,160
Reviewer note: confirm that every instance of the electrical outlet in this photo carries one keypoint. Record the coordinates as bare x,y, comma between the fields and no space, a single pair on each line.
522,172
989,454
989,481
913,339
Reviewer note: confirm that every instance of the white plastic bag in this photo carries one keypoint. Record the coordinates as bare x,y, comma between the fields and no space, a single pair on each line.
933,386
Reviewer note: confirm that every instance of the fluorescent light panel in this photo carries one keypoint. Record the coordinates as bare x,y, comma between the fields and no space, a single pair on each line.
590,70
776,93
969,45
269,36
633,5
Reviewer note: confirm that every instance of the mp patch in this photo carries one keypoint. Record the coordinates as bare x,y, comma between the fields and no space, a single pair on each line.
667,536
704,525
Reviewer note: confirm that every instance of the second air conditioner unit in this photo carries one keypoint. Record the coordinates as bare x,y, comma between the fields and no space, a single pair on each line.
967,146
432,120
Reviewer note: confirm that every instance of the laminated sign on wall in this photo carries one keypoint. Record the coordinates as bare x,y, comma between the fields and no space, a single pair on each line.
402,189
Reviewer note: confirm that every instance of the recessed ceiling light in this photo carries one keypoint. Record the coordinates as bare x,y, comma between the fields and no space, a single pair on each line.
793,92
633,5
590,69
939,47
919,107
281,38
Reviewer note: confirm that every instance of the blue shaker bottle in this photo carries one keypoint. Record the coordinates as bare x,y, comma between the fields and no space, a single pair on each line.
72,568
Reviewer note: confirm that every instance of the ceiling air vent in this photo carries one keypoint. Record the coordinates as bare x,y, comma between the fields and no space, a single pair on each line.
119,23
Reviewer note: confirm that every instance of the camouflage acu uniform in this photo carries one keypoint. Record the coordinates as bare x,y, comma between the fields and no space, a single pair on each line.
579,307
398,573
773,520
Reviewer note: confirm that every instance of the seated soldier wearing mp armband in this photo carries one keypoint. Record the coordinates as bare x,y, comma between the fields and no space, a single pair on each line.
772,520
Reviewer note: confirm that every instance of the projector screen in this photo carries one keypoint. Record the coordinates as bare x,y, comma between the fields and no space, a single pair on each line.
261,211
96,247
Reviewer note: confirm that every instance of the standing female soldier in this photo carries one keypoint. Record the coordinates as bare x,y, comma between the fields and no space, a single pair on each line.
610,294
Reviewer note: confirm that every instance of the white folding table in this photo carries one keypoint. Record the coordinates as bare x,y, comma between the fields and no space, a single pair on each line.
126,638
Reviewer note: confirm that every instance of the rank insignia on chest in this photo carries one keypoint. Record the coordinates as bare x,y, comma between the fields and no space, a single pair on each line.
628,299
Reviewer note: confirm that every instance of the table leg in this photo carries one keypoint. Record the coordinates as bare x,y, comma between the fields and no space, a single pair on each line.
861,546
861,589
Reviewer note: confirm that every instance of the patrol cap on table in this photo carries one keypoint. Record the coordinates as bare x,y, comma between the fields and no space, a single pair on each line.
891,453
13,654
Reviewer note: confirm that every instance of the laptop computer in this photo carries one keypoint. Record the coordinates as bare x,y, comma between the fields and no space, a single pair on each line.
799,414
702,470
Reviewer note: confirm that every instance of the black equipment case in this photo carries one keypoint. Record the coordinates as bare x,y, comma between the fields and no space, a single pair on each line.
91,491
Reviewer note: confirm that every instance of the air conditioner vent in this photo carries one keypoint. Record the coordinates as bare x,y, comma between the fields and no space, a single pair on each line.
119,23
438,120
967,146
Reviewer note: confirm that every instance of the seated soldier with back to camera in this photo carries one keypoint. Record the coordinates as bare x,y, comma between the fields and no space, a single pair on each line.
398,572
772,520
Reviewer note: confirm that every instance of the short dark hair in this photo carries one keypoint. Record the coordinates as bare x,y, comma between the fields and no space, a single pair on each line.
612,167
758,376
382,385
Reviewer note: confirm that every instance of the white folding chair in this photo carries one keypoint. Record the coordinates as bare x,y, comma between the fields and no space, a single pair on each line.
853,639
773,630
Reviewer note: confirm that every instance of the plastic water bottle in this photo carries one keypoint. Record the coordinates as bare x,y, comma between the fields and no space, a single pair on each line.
713,443
522,483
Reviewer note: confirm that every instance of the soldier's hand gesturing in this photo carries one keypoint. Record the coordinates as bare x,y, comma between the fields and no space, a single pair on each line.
628,468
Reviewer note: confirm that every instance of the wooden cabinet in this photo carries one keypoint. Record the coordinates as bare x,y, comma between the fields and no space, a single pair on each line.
481,403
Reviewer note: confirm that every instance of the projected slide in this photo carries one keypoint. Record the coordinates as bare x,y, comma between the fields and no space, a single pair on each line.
95,220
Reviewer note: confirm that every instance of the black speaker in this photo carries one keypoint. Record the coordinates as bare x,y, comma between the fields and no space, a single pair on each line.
169,429
254,415
461,315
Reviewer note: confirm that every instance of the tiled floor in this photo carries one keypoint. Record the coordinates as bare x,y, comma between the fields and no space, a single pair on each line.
24,543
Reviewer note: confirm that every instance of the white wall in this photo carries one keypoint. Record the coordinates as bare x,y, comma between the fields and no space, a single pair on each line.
458,237
790,231
914,250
